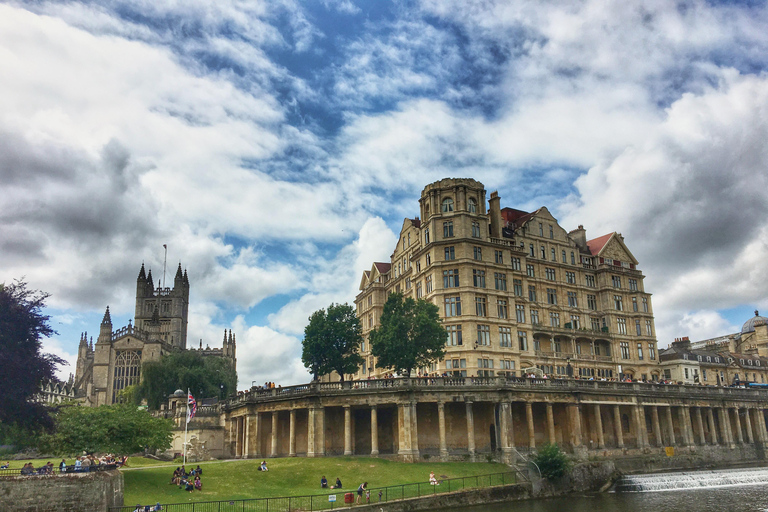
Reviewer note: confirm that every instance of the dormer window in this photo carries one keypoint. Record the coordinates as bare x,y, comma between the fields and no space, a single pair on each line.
717,359
749,362
709,359
472,205
447,205
699,358
685,357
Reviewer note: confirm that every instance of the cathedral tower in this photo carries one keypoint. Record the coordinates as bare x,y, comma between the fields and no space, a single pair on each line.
172,305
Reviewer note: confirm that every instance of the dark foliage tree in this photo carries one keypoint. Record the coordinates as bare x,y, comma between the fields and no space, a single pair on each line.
205,377
23,364
552,462
410,335
332,340
119,429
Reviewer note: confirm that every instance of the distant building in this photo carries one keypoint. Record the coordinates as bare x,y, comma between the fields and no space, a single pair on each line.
725,360
114,362
56,391
516,291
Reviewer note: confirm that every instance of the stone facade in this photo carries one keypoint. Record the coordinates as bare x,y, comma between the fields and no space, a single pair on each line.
516,291
70,492
114,362
495,417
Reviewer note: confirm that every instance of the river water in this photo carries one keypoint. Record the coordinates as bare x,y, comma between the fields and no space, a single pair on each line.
747,498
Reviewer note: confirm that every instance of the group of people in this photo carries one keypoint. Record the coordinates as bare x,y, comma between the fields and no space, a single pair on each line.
148,508
29,469
188,481
324,483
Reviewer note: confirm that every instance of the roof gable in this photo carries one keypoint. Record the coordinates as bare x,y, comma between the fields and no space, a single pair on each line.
611,246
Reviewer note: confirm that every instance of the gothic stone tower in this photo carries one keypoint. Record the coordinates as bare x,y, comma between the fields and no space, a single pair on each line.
171,304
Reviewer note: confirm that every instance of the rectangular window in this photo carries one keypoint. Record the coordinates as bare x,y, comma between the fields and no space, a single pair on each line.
552,296
532,252
595,322
428,283
541,229
652,356
518,287
589,280
522,340
505,336
520,313
634,304
480,306
554,319
648,328
616,281
454,335
531,293
618,305
476,229
498,257
478,253
640,351
572,301
592,302
553,252
622,325
502,308
570,277
624,349
451,278
426,235
448,229
449,253
638,330
478,278
530,271
645,304
500,281
535,317
452,305
633,285
543,252
550,273
483,335
419,290
551,232
565,258
573,258
516,264
575,322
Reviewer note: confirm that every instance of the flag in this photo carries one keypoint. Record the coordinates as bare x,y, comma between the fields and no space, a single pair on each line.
191,406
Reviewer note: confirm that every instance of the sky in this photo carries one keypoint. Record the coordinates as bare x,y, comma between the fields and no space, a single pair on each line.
276,146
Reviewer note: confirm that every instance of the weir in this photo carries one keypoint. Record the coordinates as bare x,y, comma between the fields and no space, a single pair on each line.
708,479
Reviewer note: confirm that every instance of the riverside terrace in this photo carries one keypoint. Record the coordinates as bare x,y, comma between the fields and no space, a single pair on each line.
484,417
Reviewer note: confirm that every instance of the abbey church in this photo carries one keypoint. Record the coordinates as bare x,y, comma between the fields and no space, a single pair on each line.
160,327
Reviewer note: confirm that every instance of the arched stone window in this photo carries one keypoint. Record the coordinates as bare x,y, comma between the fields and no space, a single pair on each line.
472,205
127,371
447,205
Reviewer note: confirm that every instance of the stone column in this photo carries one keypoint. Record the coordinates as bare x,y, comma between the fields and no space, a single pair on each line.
320,432
470,431
639,426
292,434
273,448
311,432
712,428
656,425
729,428
761,425
551,423
529,419
748,420
347,430
505,419
374,431
700,426
247,435
599,427
684,426
404,424
238,446
670,426
441,428
724,425
739,431
574,417
414,430
617,426
256,435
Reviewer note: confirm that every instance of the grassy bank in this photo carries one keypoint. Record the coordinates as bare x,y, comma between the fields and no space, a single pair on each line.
288,477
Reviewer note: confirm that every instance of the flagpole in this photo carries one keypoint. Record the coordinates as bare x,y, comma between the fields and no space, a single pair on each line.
165,259
186,426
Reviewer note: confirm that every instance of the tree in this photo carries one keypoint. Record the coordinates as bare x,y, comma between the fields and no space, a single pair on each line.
24,365
331,341
119,428
552,462
410,335
205,377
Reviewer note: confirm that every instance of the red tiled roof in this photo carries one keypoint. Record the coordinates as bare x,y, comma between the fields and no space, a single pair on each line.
510,215
383,268
596,244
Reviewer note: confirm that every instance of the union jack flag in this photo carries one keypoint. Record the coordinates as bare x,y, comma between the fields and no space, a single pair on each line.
191,406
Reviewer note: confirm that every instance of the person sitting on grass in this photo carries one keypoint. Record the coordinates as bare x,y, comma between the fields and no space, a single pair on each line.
338,484
176,477
198,483
263,466
323,483
432,479
5,466
190,486
199,470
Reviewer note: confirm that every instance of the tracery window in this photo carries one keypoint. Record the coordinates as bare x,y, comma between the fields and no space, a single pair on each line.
127,371
447,205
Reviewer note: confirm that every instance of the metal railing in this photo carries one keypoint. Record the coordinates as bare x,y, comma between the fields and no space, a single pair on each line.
55,470
331,501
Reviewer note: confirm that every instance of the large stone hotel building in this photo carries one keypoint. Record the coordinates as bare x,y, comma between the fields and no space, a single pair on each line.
516,291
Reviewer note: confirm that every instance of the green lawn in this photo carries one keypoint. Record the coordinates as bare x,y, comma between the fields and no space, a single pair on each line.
288,477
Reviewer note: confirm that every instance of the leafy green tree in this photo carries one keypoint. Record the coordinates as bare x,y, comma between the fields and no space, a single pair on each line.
331,341
552,462
205,377
118,428
24,365
410,335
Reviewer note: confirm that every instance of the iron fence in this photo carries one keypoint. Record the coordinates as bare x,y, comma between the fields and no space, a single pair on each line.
55,470
331,501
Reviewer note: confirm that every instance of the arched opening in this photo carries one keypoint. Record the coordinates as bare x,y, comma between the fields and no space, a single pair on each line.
447,205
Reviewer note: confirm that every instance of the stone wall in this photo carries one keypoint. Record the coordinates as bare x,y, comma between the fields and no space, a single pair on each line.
71,492
453,499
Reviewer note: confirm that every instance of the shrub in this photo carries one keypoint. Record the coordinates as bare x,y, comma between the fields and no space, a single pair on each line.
552,462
